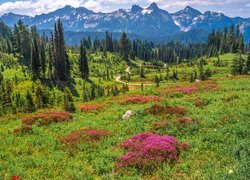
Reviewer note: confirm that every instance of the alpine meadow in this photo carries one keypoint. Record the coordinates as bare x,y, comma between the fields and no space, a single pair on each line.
137,93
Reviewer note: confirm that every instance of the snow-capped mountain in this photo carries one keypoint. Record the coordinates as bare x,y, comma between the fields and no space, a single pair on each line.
148,22
184,18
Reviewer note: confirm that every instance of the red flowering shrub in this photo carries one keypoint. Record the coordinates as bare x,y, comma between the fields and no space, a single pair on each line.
171,110
183,121
91,107
160,125
155,110
139,99
47,118
86,135
175,110
184,145
146,151
24,129
17,131
199,102
16,178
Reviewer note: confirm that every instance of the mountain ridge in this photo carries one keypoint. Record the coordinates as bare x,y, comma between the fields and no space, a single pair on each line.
150,22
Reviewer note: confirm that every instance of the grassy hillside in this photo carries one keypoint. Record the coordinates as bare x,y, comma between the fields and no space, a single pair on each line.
209,119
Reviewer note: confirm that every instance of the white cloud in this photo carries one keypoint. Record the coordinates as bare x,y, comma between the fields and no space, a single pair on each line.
34,7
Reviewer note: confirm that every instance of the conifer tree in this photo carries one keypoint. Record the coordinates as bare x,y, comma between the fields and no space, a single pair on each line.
61,61
35,60
93,91
30,105
142,72
43,58
157,81
248,62
68,104
25,43
192,77
38,94
83,63
124,46
51,59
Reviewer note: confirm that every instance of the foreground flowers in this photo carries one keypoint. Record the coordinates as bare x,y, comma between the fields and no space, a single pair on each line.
47,118
139,99
147,150
91,107
84,136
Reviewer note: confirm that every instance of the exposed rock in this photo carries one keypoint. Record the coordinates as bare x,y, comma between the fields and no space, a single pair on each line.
127,115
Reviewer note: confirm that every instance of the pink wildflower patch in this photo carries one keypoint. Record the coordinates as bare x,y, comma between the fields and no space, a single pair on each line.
189,88
147,150
192,88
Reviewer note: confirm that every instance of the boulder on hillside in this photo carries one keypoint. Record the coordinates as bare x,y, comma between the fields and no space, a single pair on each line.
127,115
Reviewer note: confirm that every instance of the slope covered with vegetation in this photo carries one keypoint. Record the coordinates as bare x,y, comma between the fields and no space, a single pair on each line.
122,110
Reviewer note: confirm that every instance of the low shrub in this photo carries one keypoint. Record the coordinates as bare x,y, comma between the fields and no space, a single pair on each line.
155,110
178,125
146,151
47,118
201,102
160,126
16,177
183,122
175,110
84,135
24,129
170,110
230,98
139,99
91,107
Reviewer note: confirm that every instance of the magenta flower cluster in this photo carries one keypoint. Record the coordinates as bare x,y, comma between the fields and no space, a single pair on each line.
147,150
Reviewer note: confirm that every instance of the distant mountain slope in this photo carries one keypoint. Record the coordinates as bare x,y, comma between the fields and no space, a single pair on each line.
151,22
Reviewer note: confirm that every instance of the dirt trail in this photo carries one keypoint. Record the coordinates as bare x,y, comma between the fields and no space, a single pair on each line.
118,79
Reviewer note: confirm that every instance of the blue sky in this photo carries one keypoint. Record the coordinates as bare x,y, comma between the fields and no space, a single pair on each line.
33,7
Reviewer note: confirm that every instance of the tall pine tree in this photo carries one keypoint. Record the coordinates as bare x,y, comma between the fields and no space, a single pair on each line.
35,60
83,63
124,46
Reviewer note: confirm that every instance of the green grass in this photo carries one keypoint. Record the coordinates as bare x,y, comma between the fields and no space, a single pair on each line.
219,143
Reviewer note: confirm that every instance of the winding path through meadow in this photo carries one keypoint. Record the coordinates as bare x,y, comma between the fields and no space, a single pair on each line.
118,79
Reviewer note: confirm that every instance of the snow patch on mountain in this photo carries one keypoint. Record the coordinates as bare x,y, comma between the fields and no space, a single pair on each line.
146,11
182,28
90,25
